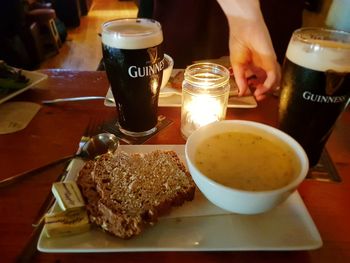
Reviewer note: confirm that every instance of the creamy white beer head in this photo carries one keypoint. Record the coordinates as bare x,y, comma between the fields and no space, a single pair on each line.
322,55
132,33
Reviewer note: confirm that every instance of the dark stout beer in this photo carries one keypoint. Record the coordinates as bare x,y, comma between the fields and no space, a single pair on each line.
134,62
315,89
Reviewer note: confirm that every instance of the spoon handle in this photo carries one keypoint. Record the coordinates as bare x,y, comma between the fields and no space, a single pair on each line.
74,99
18,177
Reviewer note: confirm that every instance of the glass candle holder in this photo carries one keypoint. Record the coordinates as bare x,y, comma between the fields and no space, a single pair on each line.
205,92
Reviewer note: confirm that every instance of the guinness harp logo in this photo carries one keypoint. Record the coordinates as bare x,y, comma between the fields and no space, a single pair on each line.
153,54
334,80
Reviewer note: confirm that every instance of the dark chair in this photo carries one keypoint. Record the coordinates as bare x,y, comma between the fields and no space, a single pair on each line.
48,40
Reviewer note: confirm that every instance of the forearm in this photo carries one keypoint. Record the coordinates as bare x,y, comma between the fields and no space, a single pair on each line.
241,9
251,50
247,24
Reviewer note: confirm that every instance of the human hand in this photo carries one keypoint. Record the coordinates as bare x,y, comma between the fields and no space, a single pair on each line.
253,69
252,56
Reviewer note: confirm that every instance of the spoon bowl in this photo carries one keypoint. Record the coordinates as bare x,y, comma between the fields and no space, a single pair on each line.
98,145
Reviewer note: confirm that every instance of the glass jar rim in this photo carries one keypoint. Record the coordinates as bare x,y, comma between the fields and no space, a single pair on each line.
207,75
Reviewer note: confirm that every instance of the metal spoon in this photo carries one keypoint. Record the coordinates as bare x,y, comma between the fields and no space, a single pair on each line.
99,144
94,147
110,100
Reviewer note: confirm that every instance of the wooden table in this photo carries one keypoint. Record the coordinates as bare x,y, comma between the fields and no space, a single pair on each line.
56,130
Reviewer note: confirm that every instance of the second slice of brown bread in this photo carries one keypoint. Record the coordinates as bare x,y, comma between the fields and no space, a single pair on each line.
126,192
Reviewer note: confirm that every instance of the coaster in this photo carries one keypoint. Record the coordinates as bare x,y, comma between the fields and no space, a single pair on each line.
325,170
113,127
15,116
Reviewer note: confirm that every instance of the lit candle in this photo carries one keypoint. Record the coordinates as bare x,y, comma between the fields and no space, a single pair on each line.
205,93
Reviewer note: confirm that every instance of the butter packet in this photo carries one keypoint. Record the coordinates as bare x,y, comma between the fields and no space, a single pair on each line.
65,223
68,195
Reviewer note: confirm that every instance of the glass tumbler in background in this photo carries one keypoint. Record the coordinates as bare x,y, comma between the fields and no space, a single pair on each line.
134,62
315,86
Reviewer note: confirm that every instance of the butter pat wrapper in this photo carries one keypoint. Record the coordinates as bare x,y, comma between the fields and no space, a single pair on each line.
68,195
66,223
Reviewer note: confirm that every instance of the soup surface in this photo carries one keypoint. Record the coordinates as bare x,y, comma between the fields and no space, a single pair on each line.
246,161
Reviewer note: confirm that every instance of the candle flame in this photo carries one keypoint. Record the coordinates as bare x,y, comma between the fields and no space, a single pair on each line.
203,110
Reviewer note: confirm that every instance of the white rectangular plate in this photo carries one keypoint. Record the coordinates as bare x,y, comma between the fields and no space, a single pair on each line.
170,97
174,100
34,78
200,226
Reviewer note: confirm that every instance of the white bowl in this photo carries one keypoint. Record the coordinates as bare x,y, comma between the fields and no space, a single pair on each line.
236,200
167,71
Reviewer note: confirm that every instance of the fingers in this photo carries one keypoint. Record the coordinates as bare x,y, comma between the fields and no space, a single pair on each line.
270,84
241,81
260,97
246,63
260,80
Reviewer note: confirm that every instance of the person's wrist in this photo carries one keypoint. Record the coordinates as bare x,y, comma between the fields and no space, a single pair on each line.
244,9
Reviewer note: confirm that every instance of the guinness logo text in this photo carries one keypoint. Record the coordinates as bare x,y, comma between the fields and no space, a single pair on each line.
307,95
139,72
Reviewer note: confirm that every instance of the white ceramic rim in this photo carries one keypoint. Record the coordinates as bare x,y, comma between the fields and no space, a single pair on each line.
169,59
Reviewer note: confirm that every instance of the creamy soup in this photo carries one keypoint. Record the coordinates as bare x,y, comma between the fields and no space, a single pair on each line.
246,161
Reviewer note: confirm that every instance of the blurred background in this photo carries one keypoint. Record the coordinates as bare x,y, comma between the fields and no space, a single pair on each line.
38,34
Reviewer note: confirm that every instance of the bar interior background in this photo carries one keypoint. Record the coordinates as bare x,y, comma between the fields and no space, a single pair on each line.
81,21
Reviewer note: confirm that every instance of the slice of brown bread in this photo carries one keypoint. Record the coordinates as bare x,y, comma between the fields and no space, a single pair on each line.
126,192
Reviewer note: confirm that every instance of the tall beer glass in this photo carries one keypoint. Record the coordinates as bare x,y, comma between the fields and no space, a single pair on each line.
134,62
315,86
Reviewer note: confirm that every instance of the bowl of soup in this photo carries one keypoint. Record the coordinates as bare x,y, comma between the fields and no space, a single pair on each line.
245,167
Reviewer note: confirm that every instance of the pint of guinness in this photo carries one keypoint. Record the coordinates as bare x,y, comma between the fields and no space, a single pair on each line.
315,86
134,62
